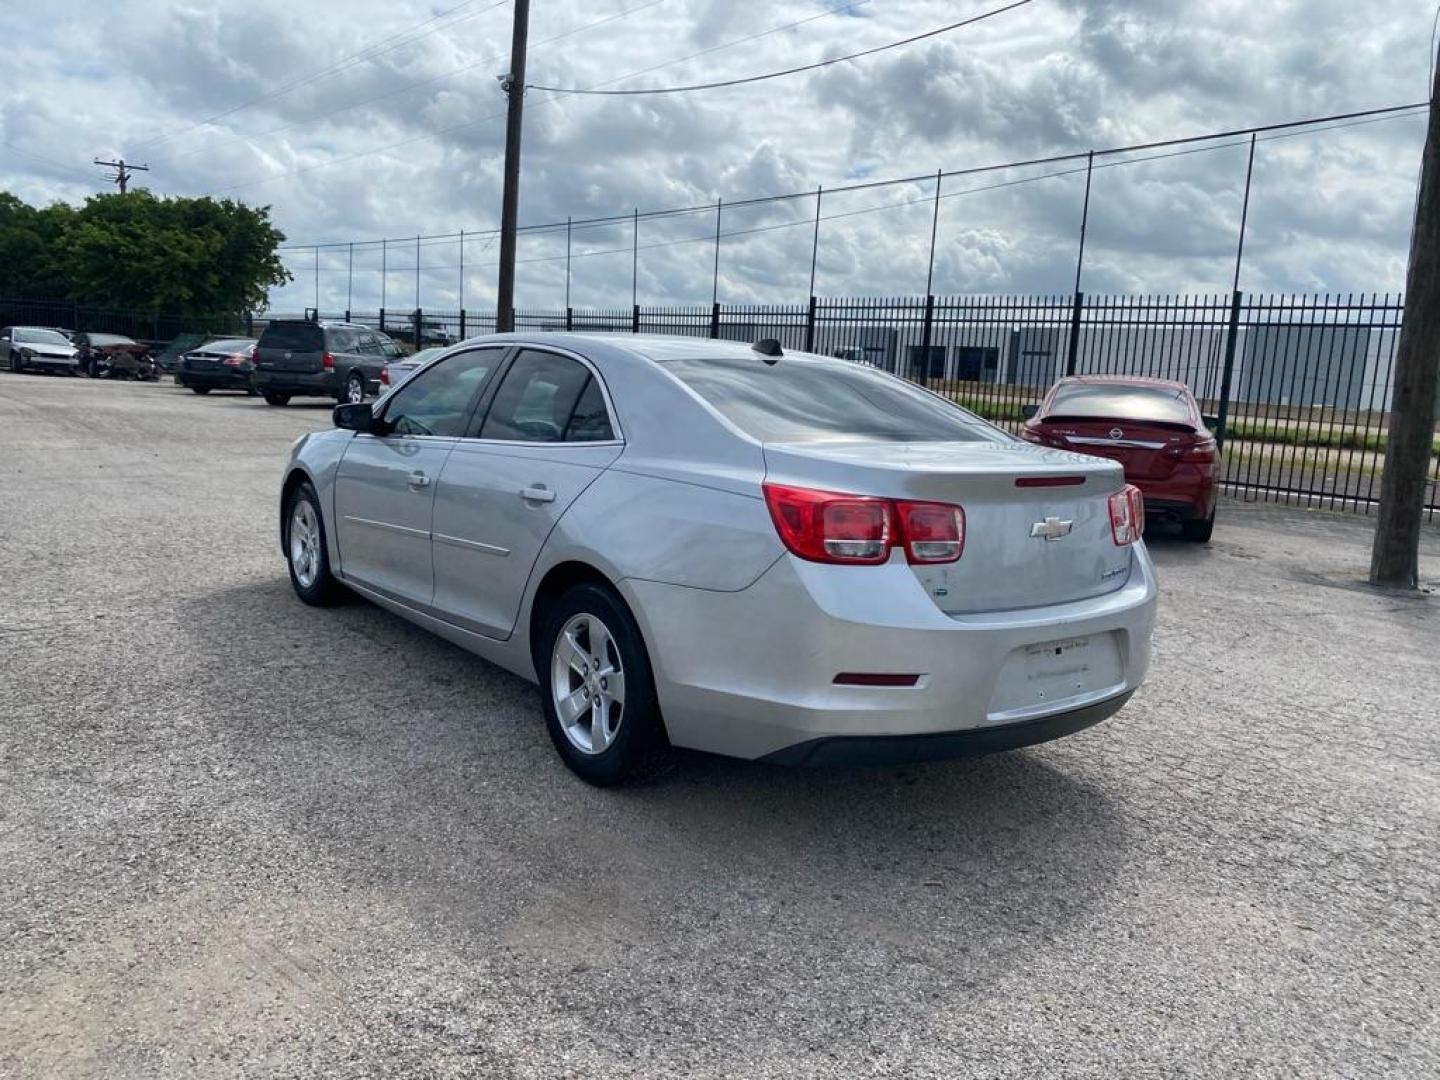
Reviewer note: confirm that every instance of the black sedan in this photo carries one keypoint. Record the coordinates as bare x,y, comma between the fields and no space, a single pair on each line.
223,364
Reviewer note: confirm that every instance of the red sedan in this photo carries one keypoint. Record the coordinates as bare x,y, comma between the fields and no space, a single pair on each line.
1153,427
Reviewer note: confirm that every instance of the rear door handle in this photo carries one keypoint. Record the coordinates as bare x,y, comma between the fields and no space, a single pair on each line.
537,493
417,480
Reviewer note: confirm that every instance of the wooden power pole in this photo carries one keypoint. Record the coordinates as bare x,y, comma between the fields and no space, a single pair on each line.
514,86
1395,558
120,175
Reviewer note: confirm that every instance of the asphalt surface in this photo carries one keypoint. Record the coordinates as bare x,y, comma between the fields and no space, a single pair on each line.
243,837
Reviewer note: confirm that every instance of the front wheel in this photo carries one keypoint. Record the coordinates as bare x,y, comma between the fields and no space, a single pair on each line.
598,690
272,398
201,390
306,552
355,388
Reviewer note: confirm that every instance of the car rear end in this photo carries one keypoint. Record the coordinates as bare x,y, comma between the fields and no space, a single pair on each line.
218,365
292,358
1153,429
934,598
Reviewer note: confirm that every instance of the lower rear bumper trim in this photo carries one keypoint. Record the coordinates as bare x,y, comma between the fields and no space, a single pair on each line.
907,749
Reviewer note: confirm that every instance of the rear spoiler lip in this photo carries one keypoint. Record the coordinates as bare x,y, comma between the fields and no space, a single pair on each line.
1169,425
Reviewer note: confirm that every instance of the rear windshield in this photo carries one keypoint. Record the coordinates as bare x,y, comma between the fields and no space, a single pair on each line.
797,400
295,336
1164,403
228,345
110,339
41,337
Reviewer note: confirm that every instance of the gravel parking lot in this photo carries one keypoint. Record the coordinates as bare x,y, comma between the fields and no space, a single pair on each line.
240,837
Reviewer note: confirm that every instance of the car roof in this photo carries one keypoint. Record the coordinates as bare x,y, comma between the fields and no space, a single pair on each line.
658,347
1128,380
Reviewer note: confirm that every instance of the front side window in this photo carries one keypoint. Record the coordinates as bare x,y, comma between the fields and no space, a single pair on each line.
437,401
547,398
799,400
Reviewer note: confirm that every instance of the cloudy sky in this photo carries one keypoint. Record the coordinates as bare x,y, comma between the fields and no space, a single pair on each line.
357,120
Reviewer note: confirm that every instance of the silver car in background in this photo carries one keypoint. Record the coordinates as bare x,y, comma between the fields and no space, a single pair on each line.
774,556
37,348
397,371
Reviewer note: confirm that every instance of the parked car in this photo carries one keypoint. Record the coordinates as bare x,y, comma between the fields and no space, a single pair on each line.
37,348
114,356
397,371
1153,427
303,358
224,364
785,557
434,333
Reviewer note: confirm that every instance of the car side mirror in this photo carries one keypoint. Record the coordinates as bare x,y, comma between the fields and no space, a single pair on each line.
1029,412
359,417
1211,422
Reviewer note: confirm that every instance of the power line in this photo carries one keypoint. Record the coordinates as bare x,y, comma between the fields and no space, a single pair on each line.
1336,120
49,161
379,48
794,70
423,136
489,59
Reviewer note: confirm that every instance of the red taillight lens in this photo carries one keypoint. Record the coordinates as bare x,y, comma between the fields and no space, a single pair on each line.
385,375
1196,453
328,361
236,359
825,527
1127,515
931,532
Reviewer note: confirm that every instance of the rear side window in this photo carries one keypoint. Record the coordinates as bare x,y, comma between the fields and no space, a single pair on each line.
1119,402
803,400
537,402
293,336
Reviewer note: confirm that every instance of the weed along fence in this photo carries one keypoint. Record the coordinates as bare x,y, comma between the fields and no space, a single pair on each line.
1303,382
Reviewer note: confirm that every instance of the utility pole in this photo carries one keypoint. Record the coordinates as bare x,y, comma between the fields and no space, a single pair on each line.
122,171
514,86
1395,558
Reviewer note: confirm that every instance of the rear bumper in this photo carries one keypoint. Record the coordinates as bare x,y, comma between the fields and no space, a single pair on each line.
1181,496
301,383
939,746
752,673
214,380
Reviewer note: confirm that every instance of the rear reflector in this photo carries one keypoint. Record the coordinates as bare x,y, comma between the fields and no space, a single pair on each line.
862,678
1049,481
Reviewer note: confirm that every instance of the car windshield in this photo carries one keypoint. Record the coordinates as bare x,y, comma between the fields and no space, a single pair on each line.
41,337
810,400
1117,401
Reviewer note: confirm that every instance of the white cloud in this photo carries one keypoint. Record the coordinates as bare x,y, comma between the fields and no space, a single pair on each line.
1330,211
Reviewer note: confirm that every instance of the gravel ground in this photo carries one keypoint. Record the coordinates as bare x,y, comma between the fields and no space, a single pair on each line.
242,837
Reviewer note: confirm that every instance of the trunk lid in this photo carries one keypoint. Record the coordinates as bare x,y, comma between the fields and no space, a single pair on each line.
1139,445
1005,566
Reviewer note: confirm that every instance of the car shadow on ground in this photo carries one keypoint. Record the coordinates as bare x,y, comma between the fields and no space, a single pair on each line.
417,769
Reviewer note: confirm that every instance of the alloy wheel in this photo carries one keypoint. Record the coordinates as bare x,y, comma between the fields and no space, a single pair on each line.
355,390
305,543
587,682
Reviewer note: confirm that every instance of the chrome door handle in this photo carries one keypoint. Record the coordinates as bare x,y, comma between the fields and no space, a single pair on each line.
538,493
417,480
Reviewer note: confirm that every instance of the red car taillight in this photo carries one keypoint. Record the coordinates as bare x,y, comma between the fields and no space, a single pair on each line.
827,527
1196,453
1127,515
385,375
328,361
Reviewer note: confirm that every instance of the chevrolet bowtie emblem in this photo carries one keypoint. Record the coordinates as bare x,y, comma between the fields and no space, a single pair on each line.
1052,528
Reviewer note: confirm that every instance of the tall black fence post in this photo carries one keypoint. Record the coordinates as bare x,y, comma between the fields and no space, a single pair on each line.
1232,334
815,242
934,229
382,318
715,318
463,334
926,336
249,324
810,326
634,318
419,337
569,319
1072,352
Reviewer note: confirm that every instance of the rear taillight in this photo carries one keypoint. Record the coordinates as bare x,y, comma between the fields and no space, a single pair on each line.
931,532
827,527
1196,453
1127,515
385,375
328,361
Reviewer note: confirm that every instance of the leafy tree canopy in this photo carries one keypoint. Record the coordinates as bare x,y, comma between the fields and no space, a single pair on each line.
141,252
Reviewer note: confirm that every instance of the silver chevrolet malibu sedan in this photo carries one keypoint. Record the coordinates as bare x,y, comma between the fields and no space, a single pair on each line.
732,548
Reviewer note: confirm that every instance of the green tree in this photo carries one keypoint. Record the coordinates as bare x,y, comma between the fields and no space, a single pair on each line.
141,252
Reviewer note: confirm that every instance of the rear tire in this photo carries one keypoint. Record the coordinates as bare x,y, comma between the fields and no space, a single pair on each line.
306,552
1198,531
272,398
354,392
201,390
589,623
16,365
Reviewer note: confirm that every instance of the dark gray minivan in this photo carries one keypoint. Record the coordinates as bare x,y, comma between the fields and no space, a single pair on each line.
301,358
